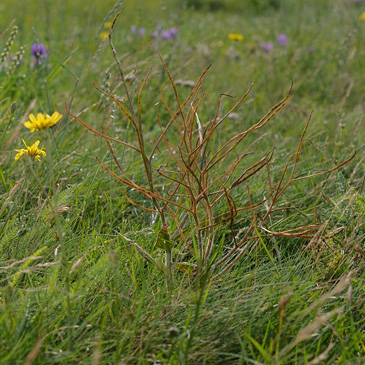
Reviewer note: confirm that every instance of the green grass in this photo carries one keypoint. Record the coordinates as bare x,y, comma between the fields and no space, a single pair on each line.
72,290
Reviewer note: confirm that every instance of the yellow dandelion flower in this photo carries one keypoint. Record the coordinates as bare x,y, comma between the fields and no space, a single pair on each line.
235,37
32,151
362,16
104,35
108,25
42,121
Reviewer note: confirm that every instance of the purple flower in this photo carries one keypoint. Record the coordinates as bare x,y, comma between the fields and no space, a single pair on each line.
154,34
141,31
170,33
39,51
34,50
173,32
310,49
133,29
267,46
39,54
42,50
283,39
166,35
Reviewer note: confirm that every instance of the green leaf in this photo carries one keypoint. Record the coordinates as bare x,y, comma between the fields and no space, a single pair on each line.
2,178
163,240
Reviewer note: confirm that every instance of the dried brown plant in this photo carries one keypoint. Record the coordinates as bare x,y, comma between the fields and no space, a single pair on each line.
199,179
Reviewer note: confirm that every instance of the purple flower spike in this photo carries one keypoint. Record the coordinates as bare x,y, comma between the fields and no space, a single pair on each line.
283,39
133,29
39,54
154,34
141,31
310,49
39,51
267,46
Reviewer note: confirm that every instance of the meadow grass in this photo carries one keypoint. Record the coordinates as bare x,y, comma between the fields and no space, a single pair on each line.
75,290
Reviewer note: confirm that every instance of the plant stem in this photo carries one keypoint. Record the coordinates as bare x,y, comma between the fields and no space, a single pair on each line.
168,264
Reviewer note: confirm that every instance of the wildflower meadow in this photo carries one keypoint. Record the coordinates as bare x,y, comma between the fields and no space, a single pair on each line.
182,182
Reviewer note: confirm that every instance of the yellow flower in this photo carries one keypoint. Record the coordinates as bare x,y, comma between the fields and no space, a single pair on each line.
32,151
108,25
42,121
104,35
362,16
235,37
